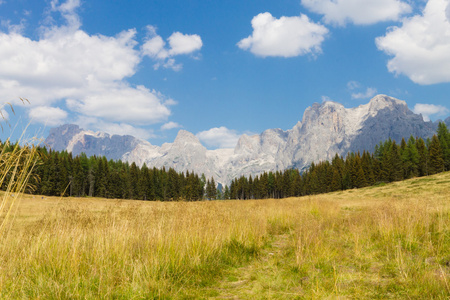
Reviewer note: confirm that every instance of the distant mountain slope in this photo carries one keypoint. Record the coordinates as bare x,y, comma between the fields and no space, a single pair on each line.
325,129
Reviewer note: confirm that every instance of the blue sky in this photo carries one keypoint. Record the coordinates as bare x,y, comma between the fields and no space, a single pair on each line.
215,68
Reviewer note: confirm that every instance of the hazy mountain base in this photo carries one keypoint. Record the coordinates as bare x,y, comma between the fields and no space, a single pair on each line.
390,241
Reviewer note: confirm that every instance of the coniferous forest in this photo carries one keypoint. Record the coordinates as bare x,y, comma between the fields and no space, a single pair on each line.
59,173
389,162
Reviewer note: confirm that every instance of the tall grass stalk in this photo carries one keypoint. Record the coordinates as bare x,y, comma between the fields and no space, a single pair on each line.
16,167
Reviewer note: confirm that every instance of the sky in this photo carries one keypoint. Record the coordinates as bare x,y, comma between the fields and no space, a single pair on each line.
218,69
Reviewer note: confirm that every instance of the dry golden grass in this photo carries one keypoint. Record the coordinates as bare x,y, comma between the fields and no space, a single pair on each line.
391,241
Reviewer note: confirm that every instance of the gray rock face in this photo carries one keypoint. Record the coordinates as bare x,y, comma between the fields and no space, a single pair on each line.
325,129
60,137
73,139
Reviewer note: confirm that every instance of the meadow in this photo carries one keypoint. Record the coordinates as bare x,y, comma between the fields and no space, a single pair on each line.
389,241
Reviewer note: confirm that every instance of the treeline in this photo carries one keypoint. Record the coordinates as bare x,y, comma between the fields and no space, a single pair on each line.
61,174
389,162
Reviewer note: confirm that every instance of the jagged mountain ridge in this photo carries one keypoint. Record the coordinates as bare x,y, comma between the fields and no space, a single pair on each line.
325,129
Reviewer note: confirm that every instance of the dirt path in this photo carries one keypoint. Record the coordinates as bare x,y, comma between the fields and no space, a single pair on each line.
265,277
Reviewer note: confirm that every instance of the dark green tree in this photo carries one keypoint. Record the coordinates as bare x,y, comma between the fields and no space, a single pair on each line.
436,159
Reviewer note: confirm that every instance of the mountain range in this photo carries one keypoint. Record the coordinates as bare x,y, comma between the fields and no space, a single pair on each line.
325,129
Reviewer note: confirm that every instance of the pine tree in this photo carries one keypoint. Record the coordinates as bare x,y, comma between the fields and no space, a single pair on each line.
422,166
226,193
444,139
101,177
395,163
336,181
436,160
367,166
358,177
410,158
172,184
213,192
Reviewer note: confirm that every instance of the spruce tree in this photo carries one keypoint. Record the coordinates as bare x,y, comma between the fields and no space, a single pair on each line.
436,160
213,193
444,139
410,158
336,181
422,166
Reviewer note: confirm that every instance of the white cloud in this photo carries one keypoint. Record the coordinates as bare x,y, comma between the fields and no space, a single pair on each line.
122,103
170,125
154,47
89,72
184,43
428,110
51,116
421,46
170,102
326,99
351,85
358,90
286,37
220,137
369,93
67,7
14,28
67,10
359,12
180,44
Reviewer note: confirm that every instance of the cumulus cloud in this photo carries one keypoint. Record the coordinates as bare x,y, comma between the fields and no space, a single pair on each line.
51,116
428,110
421,46
369,93
286,37
170,125
184,43
179,44
87,72
143,107
359,12
61,65
219,137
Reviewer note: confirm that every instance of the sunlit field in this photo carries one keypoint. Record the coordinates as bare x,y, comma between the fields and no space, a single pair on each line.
390,241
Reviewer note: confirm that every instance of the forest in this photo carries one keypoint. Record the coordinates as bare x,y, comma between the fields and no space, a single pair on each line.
389,162
61,174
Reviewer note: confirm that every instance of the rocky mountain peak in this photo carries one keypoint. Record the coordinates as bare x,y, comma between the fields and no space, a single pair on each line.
248,144
382,101
60,137
185,137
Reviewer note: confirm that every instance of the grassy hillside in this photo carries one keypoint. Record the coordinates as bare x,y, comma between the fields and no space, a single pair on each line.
390,241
